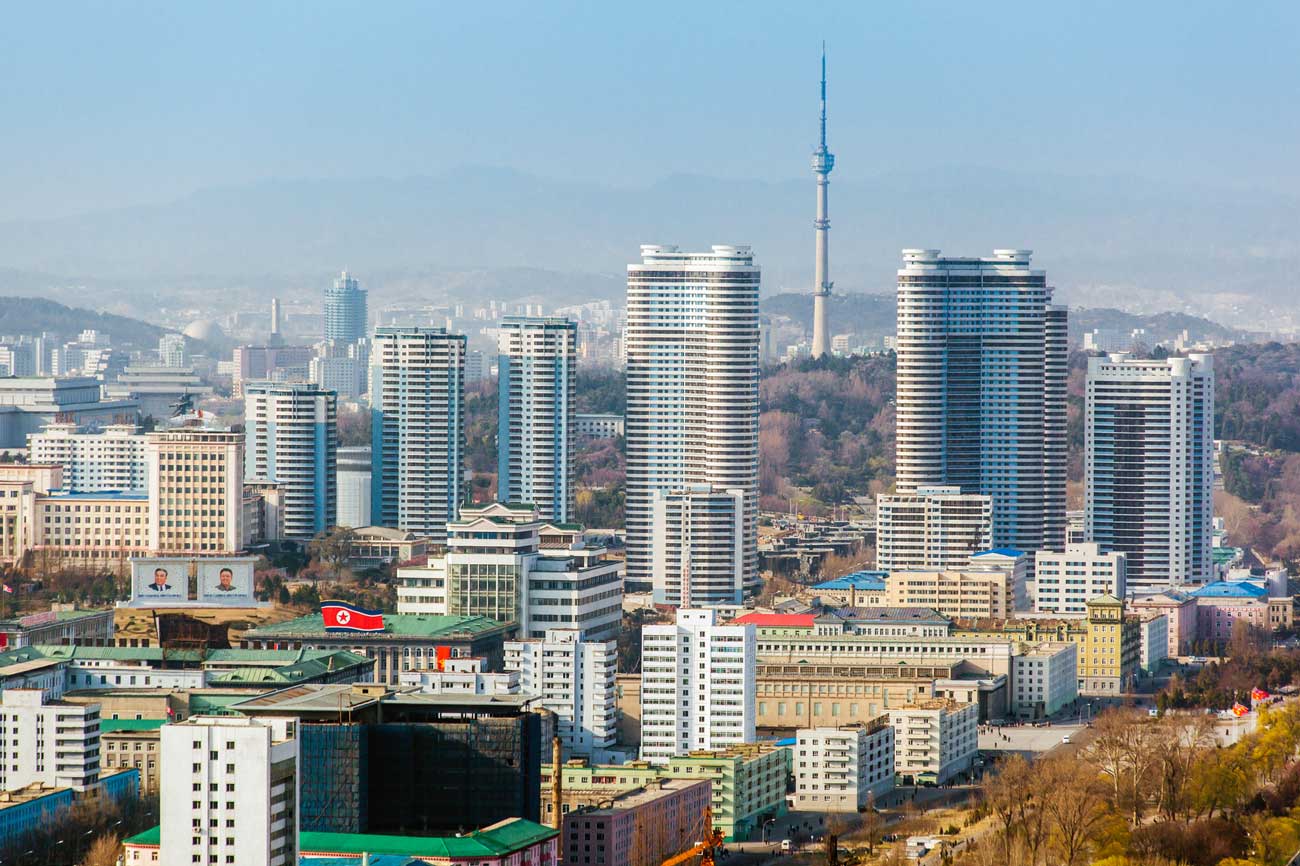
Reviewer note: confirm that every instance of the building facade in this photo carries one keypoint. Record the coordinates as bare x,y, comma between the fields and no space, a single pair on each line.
291,438
345,310
110,459
1149,466
536,389
574,679
981,399
1064,581
691,342
47,741
935,528
417,398
843,769
698,554
934,741
196,492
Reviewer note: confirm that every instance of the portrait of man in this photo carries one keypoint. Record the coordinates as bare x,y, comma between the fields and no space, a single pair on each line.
225,580
160,583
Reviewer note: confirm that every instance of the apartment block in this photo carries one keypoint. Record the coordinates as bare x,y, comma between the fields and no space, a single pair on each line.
1064,581
574,679
843,769
937,528
47,741
934,741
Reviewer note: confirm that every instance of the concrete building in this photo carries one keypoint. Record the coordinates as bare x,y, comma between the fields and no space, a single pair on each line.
1179,609
935,528
697,555
352,474
461,676
697,685
157,388
749,783
35,809
112,458
1064,581
1112,648
172,351
803,695
291,439
643,827
132,744
691,341
47,741
934,741
379,545
194,465
1149,467
28,404
1221,604
1155,644
860,588
1045,680
598,426
417,397
963,594
91,531
843,769
981,399
574,679
230,791
269,363
985,655
536,389
345,375
345,310
62,625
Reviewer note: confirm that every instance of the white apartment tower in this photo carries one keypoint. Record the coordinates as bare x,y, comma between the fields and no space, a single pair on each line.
417,398
691,342
697,685
47,741
981,401
112,459
574,679
536,388
1149,466
1065,581
934,528
291,438
196,491
353,477
229,791
698,545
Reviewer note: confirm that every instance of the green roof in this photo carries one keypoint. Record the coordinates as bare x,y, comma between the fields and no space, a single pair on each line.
108,726
152,836
395,624
214,705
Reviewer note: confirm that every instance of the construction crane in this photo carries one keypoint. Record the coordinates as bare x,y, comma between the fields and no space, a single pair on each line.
704,849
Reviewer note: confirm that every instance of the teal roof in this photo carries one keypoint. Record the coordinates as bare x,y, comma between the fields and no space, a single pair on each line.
1230,589
395,624
152,836
858,580
109,726
1002,551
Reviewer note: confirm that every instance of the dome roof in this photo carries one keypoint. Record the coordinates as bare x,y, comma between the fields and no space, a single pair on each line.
203,329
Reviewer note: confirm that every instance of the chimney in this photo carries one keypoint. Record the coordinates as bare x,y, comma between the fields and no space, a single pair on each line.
275,317
557,783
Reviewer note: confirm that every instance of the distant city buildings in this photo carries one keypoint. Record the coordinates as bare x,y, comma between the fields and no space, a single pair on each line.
345,310
291,438
1149,466
981,389
28,404
692,383
172,351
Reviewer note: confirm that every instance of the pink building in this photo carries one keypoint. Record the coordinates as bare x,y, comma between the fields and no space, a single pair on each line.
640,828
1180,608
1221,604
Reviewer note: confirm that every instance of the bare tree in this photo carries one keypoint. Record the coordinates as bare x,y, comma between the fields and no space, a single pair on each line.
872,827
1075,804
104,851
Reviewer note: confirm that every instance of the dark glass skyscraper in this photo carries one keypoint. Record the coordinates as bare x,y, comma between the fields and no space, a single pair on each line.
345,310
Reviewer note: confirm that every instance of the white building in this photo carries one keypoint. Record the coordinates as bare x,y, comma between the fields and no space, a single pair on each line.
1155,643
461,676
574,679
935,528
599,426
934,740
536,389
1064,581
982,389
352,474
1045,680
843,769
691,341
111,459
1149,467
417,395
229,791
698,555
344,375
697,685
171,350
291,439
47,741
422,589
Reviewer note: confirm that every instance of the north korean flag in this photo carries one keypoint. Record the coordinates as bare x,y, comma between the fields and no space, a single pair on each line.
341,616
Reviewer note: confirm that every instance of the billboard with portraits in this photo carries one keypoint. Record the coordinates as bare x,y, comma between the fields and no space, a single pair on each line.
155,581
226,582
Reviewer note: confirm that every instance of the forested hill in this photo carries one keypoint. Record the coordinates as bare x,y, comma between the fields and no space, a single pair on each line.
34,315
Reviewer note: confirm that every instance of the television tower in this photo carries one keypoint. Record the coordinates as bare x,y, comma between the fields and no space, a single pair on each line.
822,163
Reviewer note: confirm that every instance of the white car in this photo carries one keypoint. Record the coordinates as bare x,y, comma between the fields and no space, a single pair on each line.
1066,739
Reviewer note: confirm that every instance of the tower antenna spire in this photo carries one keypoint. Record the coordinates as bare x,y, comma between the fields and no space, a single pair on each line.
822,163
823,136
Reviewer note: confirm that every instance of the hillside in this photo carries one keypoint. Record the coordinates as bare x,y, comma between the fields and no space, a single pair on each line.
34,315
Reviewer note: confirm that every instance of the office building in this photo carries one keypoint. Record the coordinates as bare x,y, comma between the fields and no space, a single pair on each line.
229,791
196,491
692,383
47,741
90,531
843,769
1045,680
798,694
1063,582
345,310
112,458
30,403
981,389
697,685
574,679
1149,467
935,528
536,388
291,438
417,395
698,554
934,741
352,474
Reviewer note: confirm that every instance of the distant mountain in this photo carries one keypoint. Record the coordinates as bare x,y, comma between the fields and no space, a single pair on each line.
35,315
1128,242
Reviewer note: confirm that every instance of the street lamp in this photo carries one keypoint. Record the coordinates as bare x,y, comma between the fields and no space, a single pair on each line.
767,828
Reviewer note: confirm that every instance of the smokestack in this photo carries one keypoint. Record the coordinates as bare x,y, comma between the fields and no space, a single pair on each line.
557,783
275,317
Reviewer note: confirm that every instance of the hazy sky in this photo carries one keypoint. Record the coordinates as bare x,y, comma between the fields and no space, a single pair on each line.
108,104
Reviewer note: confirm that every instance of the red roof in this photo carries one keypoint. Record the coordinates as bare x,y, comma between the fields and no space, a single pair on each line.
788,620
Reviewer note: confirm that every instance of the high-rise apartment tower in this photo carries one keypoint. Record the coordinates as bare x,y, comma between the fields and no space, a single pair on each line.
291,438
345,310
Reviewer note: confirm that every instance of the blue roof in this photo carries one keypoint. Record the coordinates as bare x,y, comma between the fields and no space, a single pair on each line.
857,580
1001,551
1230,589
788,741
100,494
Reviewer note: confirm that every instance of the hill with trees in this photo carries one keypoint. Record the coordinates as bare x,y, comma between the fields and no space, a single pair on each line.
34,315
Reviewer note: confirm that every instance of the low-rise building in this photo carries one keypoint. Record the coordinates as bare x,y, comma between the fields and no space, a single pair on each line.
934,741
1221,604
1046,680
374,546
961,594
866,588
643,827
131,744
843,769
814,695
63,624
1179,609
599,426
461,676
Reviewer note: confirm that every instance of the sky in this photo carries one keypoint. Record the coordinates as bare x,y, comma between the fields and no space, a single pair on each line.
108,105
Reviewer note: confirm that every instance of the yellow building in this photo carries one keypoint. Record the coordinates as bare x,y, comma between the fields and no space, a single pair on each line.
91,530
1109,642
196,491
956,594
